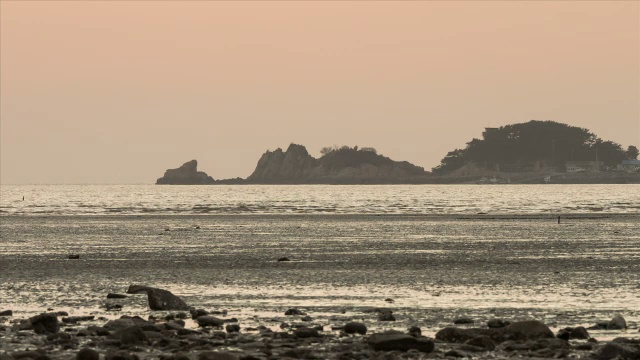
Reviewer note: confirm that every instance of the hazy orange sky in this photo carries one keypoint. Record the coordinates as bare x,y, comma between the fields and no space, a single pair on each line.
119,91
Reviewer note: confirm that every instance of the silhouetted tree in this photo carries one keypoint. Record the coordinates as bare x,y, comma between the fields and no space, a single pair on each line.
632,152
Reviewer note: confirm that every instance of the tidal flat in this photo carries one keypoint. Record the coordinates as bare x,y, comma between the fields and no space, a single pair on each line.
428,269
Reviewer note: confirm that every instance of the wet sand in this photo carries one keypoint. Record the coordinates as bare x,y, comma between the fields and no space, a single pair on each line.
434,268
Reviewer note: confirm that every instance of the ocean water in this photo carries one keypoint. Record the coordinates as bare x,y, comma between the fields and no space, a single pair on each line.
351,248
317,199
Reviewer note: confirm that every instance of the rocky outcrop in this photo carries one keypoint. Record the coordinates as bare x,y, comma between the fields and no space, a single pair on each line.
159,299
338,166
187,174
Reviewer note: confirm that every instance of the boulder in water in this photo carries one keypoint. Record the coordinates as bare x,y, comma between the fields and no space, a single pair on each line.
159,299
45,323
400,342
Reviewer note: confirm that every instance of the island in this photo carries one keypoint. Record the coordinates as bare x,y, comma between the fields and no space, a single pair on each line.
532,152
187,174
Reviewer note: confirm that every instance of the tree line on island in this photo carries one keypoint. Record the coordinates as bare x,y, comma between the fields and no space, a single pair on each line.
518,150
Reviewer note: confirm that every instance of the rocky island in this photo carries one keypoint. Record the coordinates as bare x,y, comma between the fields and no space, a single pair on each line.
187,174
338,165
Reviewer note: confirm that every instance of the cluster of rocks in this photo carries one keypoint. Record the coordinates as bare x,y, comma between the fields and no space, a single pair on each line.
217,337
187,174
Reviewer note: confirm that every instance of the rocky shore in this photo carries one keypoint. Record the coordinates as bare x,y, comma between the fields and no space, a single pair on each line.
176,331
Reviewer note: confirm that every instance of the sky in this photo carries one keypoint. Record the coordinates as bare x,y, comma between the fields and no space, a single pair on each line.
119,91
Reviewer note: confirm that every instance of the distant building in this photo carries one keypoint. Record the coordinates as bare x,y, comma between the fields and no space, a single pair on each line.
584,166
629,166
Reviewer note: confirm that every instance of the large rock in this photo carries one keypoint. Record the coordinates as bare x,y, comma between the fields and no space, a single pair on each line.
159,299
208,320
460,335
87,354
527,330
45,323
187,174
400,342
355,328
617,323
132,335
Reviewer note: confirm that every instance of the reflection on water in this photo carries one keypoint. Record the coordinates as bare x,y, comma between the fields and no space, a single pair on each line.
317,199
434,268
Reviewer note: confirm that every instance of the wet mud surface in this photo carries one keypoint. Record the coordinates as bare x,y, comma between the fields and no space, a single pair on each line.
429,270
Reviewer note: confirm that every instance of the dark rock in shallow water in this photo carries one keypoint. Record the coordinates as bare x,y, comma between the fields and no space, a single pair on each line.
355,328
527,330
6,313
27,354
45,323
87,354
463,320
459,335
74,257
483,342
457,354
119,324
415,331
116,296
617,323
213,355
208,320
386,316
232,328
400,342
132,335
120,355
293,311
196,313
614,350
283,259
113,307
305,332
497,323
573,333
159,299
76,319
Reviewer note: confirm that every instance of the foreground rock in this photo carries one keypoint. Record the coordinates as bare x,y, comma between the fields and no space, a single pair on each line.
159,299
187,174
45,323
519,331
400,342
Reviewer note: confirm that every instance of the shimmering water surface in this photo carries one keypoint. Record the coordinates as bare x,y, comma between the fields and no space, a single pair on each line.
351,248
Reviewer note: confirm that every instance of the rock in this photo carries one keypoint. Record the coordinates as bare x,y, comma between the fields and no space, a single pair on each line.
305,332
196,313
617,323
77,319
74,257
386,316
463,320
617,351
483,342
527,330
187,174
159,299
293,311
415,331
573,333
113,307
27,354
116,296
345,165
400,342
457,354
459,335
389,300
6,313
212,355
355,328
119,355
87,354
497,323
99,330
232,328
208,320
118,324
45,323
132,335
283,259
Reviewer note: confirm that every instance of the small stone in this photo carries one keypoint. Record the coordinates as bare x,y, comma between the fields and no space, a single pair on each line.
386,316
116,296
305,332
232,328
497,323
197,313
355,328
74,256
208,320
415,331
283,259
463,320
400,342
131,336
293,311
457,354
87,354
6,313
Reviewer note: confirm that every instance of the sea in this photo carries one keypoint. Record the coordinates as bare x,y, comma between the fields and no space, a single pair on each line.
567,255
